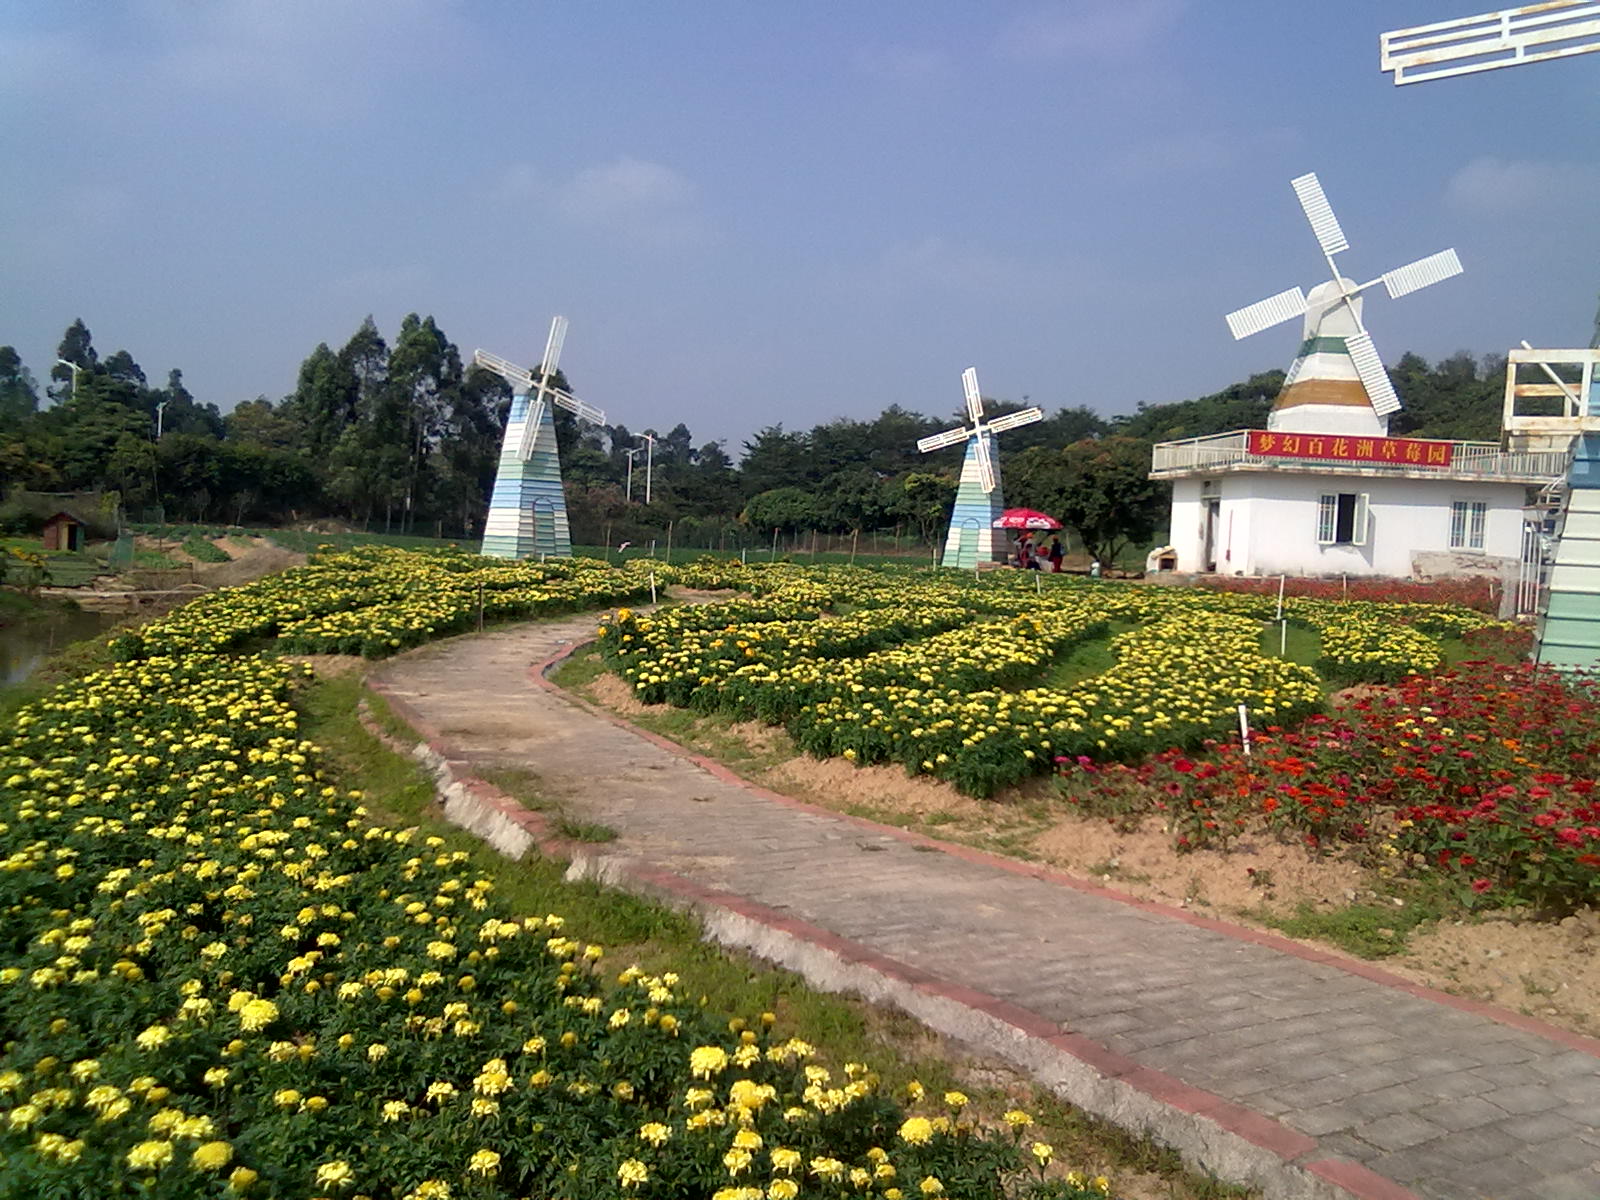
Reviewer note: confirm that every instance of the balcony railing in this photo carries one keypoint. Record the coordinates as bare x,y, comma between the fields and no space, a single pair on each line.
1472,460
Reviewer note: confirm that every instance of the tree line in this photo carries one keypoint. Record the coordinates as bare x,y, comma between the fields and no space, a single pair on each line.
404,437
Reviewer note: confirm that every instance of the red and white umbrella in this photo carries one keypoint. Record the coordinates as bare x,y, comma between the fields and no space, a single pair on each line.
1025,518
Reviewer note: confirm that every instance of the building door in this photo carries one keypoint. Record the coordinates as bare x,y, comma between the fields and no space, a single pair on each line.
1208,540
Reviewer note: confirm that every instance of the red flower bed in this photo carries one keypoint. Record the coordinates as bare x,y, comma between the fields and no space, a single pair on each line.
1468,591
1485,772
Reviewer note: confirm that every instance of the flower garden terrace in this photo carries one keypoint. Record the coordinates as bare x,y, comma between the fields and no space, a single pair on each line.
974,682
223,978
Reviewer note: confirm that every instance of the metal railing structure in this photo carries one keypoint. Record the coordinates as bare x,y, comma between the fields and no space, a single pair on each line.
1470,460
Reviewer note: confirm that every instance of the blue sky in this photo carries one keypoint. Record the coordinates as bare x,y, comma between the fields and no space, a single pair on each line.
754,212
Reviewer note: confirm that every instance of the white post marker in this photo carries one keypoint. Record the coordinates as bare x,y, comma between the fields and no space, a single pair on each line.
1283,639
1244,729
653,600
1281,579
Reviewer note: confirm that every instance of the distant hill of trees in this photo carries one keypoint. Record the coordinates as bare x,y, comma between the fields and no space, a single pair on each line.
404,437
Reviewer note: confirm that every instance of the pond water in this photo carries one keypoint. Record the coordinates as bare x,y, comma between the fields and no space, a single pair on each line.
26,644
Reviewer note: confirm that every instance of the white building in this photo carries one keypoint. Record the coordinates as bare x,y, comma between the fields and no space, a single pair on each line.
1324,491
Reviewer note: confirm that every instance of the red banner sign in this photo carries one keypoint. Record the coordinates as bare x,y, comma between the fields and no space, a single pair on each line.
1398,452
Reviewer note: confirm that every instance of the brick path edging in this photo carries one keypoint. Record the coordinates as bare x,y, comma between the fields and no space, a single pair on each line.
1209,1132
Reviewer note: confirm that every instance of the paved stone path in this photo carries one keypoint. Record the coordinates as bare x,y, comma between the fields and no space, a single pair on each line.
1304,1072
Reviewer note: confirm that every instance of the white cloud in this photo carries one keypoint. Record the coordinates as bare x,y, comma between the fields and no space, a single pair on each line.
1086,28
1497,187
644,202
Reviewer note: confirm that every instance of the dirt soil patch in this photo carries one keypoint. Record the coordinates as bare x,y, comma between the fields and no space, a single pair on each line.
328,666
1541,969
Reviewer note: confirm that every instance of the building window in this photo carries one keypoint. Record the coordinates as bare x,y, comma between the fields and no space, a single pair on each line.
1342,519
1467,519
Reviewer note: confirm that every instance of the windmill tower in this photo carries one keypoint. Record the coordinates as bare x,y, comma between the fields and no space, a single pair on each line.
979,503
528,509
1337,383
1569,610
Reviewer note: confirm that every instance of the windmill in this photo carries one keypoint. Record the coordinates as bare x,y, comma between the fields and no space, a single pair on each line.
527,509
1337,383
1488,41
971,539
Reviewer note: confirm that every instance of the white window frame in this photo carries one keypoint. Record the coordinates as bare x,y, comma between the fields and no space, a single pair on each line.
1469,525
1329,506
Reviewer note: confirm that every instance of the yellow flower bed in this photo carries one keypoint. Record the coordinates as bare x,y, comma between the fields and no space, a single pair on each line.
222,979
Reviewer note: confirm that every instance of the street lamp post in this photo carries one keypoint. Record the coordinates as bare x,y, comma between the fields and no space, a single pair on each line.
630,454
75,369
161,408
649,463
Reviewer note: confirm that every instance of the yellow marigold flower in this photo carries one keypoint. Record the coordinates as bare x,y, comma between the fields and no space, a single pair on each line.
286,1098
376,1052
257,1014
150,1156
785,1160
632,1172
211,1156
915,1091
655,1133
917,1130
393,1110
736,1160
1044,1152
154,1037
783,1189
956,1100
930,1185
706,1061
1018,1119
747,1139
240,1179
830,1169
335,1174
24,1115
484,1162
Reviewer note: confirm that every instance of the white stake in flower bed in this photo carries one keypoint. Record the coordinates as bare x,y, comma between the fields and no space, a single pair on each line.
1244,729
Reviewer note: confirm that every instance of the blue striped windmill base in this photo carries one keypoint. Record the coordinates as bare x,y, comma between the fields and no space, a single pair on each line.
528,509
973,538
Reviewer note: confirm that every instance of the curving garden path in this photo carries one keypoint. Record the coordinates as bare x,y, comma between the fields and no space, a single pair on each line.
1303,1072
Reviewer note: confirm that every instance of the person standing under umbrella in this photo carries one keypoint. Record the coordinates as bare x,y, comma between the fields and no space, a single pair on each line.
1054,554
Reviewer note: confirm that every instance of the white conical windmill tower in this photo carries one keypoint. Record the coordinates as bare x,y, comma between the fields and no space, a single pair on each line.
972,538
1337,383
528,509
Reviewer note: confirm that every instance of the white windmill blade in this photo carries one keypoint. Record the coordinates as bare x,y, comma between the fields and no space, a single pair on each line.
938,441
1264,314
969,385
1402,281
1320,213
582,410
530,429
1373,377
1012,420
552,346
1488,41
504,368
985,465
